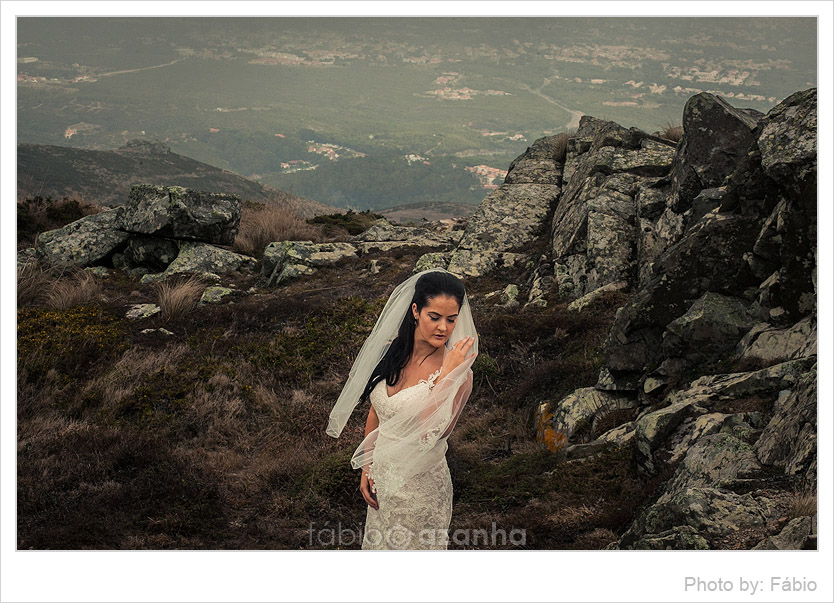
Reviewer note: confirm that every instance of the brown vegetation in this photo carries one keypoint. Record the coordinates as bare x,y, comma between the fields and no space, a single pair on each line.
803,502
214,437
672,132
560,147
32,283
79,287
178,296
261,224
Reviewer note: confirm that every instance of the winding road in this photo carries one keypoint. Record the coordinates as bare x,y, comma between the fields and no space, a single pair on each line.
573,124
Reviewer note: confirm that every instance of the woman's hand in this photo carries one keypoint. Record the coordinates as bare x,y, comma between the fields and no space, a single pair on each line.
366,487
456,355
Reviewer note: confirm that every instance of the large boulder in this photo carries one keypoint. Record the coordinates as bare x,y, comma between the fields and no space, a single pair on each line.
715,136
469,263
788,141
795,536
202,258
716,460
789,157
773,344
709,329
509,217
384,235
180,213
708,258
743,426
709,512
789,440
708,390
575,415
697,496
85,242
434,259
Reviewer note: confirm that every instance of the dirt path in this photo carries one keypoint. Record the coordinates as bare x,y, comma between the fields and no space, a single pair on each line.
135,70
573,124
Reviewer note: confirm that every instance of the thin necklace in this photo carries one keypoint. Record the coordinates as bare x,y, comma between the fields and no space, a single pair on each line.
424,359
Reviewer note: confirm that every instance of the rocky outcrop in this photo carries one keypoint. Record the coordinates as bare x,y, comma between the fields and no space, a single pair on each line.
715,134
540,163
715,241
507,219
772,344
610,172
798,534
575,415
383,232
712,257
512,216
162,230
285,260
789,440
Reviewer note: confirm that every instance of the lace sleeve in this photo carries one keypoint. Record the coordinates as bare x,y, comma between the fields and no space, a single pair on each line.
448,414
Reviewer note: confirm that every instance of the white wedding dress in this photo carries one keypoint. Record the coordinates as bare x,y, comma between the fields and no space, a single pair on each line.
417,514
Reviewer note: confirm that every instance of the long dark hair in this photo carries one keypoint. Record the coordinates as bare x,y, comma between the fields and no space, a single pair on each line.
429,285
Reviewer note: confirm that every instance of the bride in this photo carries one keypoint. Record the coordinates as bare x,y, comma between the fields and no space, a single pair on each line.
415,368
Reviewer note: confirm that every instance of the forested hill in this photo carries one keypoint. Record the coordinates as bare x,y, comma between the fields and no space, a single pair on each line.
105,177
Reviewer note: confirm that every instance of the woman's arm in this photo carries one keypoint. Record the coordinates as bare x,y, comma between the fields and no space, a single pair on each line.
370,424
366,485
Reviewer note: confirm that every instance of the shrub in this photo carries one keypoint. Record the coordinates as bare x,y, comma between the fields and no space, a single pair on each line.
352,222
40,214
803,503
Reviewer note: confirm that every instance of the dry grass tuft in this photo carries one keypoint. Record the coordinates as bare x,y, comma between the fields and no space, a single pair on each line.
595,540
803,503
178,297
33,281
262,224
560,147
672,132
80,288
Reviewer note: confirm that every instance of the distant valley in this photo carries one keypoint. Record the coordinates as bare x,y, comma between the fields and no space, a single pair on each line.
377,113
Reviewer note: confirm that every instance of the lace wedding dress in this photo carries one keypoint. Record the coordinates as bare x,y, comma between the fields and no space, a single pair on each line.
417,514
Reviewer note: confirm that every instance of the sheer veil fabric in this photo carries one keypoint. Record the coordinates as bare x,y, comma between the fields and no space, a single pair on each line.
414,438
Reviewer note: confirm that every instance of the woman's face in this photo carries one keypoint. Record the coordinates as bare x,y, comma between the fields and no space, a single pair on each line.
437,319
